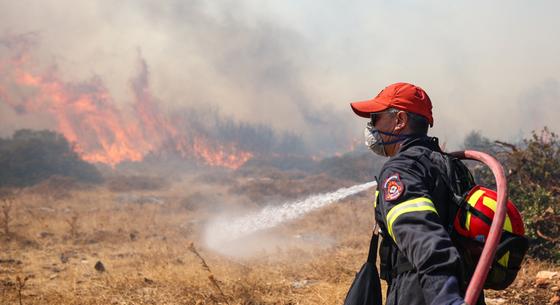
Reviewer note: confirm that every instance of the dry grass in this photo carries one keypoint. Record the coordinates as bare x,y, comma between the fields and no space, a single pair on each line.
154,254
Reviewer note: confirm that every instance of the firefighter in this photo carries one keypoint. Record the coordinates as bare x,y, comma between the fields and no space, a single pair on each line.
412,206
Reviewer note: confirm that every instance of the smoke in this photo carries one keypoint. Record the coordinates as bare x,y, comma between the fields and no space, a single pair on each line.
87,115
293,66
225,233
534,115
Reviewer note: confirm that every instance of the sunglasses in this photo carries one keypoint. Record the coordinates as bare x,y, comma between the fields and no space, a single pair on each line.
374,116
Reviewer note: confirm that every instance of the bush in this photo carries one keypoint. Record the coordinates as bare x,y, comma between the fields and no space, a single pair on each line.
31,156
535,186
533,170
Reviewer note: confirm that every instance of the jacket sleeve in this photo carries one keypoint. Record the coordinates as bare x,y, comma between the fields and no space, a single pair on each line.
412,221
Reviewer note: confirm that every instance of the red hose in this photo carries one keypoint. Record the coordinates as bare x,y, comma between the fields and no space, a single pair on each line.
489,251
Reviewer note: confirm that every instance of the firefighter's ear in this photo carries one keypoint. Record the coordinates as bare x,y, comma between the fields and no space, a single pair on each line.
402,120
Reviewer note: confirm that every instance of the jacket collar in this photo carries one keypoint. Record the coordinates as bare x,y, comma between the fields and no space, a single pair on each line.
425,141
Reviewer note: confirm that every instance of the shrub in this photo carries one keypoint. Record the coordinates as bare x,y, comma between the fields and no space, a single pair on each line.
31,156
533,171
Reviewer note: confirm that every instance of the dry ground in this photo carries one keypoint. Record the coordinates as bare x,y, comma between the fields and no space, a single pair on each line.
146,251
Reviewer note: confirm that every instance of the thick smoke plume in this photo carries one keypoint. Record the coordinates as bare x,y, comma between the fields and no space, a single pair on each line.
290,65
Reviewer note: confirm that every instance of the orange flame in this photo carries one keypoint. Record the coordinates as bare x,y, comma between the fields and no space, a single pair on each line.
220,156
87,115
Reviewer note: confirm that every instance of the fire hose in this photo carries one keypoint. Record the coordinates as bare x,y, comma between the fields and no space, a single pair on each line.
484,264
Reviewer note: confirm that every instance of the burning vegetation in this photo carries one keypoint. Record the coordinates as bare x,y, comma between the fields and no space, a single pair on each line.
107,131
102,131
87,115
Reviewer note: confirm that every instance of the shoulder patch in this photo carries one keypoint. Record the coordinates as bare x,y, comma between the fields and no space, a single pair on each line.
393,187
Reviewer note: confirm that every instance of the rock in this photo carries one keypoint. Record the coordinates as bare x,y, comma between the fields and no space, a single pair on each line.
44,234
46,209
66,255
56,270
549,275
148,281
10,261
99,266
133,235
543,278
299,284
303,283
555,300
554,288
495,301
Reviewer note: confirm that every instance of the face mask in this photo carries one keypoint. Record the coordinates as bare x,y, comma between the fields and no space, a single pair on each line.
374,141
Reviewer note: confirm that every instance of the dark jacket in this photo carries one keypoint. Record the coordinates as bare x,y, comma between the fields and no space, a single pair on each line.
414,211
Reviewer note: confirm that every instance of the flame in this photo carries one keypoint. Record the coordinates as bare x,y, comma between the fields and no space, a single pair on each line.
87,115
221,155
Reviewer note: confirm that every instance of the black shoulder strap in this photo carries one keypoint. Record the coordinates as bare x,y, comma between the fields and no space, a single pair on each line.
372,255
450,177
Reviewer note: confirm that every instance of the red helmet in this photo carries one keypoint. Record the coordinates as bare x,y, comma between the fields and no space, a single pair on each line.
475,223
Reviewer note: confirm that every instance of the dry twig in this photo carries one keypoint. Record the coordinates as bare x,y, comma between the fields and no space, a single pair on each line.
20,286
7,206
543,236
202,261
211,277
510,146
73,223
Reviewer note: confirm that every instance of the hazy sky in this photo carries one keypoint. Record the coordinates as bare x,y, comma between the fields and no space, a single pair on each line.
492,66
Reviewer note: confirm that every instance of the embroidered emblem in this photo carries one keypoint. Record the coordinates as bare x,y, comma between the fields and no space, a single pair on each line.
393,187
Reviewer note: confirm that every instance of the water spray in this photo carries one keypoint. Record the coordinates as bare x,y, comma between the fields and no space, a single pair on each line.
225,229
